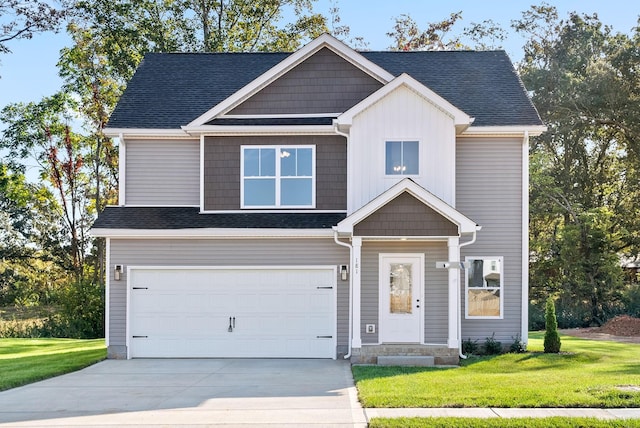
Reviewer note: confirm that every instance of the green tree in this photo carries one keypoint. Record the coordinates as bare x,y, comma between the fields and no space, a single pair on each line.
584,169
22,19
444,35
41,131
552,342
27,275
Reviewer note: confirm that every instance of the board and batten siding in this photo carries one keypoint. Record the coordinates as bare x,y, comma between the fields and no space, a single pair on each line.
323,83
489,191
401,115
219,252
162,172
436,295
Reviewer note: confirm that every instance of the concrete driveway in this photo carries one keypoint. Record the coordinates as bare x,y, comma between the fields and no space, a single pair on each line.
190,392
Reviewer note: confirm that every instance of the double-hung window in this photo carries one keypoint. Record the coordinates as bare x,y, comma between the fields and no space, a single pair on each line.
484,287
278,176
402,158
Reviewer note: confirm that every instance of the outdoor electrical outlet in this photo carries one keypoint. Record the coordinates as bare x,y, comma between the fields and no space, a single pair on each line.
371,328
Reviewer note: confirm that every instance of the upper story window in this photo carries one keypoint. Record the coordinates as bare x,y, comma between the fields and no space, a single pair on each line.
278,177
484,286
402,158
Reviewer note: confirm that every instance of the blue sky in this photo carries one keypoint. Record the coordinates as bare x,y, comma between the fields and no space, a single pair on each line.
29,73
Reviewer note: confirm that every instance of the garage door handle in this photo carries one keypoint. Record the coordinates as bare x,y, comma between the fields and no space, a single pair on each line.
324,337
324,288
140,337
140,288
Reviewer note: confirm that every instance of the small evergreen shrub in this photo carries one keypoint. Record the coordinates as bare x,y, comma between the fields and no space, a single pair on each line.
492,346
518,346
551,337
470,346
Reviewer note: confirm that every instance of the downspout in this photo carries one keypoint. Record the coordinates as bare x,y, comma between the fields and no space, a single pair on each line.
350,247
344,244
464,244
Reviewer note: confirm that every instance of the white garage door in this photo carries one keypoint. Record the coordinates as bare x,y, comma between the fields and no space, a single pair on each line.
191,313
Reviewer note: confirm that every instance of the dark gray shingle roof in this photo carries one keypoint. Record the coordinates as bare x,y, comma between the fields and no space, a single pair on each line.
190,218
170,90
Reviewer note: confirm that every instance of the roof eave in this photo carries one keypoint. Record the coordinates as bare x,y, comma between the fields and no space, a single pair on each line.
504,131
258,130
146,132
210,233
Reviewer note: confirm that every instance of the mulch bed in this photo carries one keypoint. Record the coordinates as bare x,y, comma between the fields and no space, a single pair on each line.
622,328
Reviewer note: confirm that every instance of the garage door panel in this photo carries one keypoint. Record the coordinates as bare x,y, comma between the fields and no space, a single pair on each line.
278,313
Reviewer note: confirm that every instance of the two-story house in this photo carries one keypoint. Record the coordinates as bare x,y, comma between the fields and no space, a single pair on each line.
301,204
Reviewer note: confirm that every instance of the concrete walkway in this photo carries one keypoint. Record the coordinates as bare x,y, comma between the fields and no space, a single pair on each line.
233,393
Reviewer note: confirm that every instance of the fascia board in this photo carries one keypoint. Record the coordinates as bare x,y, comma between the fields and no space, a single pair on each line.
505,131
460,118
145,132
287,64
466,224
211,233
259,130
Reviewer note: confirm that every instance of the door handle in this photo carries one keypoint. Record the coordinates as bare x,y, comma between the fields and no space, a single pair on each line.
417,303
230,326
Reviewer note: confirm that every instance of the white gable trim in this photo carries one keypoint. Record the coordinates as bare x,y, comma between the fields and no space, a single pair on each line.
287,64
465,224
461,119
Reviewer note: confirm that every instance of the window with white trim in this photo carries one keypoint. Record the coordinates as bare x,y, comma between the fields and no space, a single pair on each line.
484,287
402,158
278,176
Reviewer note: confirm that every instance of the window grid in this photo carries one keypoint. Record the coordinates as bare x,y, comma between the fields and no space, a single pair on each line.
278,178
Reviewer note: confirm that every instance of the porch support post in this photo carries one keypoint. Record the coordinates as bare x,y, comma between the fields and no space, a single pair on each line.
454,292
356,302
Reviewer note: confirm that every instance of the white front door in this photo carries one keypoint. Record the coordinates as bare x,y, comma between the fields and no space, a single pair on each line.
401,294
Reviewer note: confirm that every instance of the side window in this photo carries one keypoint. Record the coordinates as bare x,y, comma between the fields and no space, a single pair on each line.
402,158
278,176
484,287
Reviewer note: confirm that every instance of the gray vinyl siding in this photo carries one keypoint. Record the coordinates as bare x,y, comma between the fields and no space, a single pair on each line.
163,172
222,169
489,191
323,83
436,296
221,252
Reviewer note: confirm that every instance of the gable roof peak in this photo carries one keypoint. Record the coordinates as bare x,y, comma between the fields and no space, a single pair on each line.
323,41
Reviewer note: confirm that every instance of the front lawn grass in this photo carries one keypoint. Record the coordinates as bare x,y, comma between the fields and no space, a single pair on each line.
24,361
587,373
554,422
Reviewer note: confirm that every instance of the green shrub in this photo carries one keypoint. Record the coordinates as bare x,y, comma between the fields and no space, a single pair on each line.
518,346
551,337
632,299
81,314
470,346
492,346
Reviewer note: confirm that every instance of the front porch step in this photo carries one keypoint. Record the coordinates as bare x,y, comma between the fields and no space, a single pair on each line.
402,354
401,360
